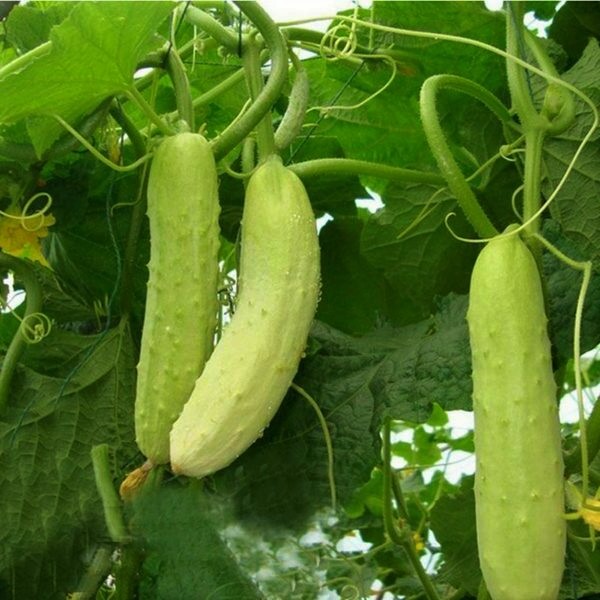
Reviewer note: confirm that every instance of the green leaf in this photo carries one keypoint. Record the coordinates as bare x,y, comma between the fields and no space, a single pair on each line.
355,298
387,128
93,55
49,506
427,261
438,417
573,25
185,555
576,207
86,246
28,27
564,284
453,523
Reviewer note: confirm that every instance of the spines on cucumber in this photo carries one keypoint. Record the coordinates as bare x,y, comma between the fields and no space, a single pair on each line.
519,473
181,302
253,364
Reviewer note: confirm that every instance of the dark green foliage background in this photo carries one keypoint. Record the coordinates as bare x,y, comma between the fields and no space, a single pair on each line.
390,337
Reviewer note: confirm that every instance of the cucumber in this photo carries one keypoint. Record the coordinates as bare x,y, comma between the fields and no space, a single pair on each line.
519,496
253,364
181,301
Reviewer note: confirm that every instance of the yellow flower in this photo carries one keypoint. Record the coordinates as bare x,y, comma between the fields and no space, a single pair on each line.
24,241
590,513
418,541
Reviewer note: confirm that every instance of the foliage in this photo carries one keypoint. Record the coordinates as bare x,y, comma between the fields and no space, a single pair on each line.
389,339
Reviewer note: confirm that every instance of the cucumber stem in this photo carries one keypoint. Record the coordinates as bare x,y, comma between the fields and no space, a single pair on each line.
348,166
111,502
210,25
181,86
441,151
236,132
252,67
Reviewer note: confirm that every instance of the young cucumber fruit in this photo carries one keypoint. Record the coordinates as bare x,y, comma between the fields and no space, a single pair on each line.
181,301
519,472
257,357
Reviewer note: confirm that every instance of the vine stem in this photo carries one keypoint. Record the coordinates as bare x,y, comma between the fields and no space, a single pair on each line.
207,23
439,147
94,575
33,304
517,82
136,97
236,132
348,166
252,67
586,269
534,147
400,536
111,503
328,444
181,86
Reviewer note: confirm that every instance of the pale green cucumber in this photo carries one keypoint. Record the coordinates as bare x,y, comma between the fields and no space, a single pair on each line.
253,364
181,302
519,494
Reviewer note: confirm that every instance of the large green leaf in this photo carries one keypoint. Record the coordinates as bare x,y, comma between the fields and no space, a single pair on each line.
453,523
387,128
420,259
355,297
185,555
92,55
49,505
576,206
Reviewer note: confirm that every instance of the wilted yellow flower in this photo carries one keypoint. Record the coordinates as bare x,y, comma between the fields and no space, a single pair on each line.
24,242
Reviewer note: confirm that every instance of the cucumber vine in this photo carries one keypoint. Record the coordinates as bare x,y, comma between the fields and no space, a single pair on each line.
265,55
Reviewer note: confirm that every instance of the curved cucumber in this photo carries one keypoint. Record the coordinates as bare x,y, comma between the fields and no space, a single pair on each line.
519,495
258,355
181,302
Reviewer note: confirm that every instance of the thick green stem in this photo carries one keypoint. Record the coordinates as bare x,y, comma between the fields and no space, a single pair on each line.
220,88
210,25
25,59
532,199
134,95
520,92
181,86
33,299
111,503
439,147
332,167
95,574
252,66
128,575
236,132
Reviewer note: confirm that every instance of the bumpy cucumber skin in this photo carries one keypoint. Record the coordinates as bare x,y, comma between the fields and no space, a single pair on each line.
181,301
519,495
253,364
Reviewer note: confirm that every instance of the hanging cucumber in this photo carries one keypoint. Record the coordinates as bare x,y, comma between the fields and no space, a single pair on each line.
519,475
257,357
181,302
